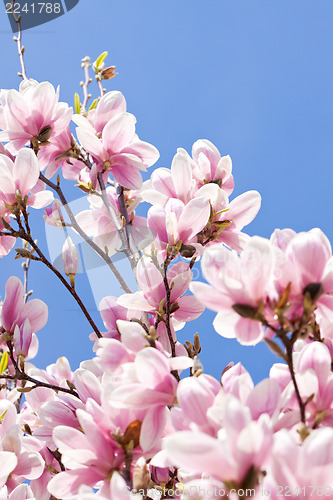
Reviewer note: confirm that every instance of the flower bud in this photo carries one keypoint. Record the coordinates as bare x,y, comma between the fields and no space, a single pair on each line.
70,258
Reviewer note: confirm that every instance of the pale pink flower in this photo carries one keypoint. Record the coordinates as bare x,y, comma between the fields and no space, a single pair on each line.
118,149
304,470
241,445
33,113
29,464
241,284
111,104
305,260
15,311
98,223
177,222
21,178
152,296
61,152
52,215
209,166
229,218
177,182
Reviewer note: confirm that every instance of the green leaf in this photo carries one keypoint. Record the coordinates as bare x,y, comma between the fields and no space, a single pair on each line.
100,59
77,104
4,362
93,105
3,414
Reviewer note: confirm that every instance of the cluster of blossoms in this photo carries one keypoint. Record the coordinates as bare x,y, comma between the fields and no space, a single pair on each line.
142,419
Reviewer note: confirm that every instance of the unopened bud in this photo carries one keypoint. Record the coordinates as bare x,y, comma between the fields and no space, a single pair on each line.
70,258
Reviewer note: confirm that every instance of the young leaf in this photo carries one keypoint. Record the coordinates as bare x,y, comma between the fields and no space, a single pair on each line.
93,105
4,362
100,59
77,104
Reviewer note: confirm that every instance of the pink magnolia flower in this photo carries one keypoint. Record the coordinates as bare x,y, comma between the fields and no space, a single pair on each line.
28,464
238,287
52,215
305,260
111,104
314,379
98,223
152,296
303,470
177,222
228,218
177,182
118,149
21,178
209,166
33,113
61,152
241,445
15,311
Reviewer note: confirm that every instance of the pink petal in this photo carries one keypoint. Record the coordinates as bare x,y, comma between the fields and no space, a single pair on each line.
13,303
244,208
37,313
196,452
152,428
25,171
193,218
189,308
119,132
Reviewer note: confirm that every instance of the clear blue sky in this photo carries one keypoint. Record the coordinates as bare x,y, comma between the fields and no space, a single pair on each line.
253,76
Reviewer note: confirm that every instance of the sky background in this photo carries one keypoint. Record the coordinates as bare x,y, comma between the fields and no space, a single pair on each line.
255,77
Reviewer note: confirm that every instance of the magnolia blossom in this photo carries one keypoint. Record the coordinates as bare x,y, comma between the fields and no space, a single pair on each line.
52,215
15,312
177,223
114,145
20,180
104,228
152,297
239,286
32,114
61,152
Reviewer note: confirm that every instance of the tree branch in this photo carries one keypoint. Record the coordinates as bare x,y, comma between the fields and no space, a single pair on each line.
18,40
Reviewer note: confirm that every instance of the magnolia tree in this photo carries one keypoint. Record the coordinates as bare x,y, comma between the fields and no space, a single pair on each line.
142,419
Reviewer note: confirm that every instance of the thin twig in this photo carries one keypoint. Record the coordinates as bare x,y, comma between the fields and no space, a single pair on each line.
120,228
21,375
27,237
18,40
85,65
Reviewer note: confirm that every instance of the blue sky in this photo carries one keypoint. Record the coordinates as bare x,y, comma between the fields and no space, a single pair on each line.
253,76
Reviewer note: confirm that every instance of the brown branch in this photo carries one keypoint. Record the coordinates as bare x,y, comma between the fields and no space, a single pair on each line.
21,375
27,237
